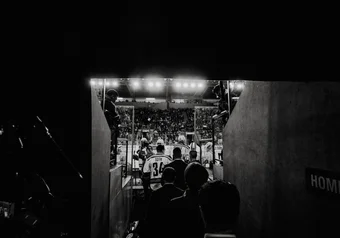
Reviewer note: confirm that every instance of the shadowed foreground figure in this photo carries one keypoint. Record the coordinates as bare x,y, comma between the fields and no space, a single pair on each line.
185,218
159,201
179,165
112,118
220,206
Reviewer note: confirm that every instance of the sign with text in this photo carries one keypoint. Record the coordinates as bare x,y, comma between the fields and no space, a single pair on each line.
323,181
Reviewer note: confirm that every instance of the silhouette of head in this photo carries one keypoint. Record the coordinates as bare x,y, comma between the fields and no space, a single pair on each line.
195,175
160,148
177,153
193,154
112,94
222,197
169,175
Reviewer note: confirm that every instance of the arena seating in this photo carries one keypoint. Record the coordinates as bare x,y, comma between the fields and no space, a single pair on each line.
167,122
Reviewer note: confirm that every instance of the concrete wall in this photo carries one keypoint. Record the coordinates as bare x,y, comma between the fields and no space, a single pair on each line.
276,130
120,202
100,166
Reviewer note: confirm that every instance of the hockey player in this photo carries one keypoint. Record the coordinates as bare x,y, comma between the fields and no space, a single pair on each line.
154,166
143,153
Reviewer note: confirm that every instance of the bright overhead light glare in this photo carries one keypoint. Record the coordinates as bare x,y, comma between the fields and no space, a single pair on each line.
178,84
150,99
135,84
200,85
192,85
239,86
100,83
150,84
115,84
93,82
185,85
119,98
158,84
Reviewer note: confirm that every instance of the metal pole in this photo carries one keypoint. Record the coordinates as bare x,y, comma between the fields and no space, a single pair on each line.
103,95
126,159
228,90
116,143
195,120
200,152
213,140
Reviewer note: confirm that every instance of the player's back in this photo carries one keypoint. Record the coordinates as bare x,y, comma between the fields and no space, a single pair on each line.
155,166
143,154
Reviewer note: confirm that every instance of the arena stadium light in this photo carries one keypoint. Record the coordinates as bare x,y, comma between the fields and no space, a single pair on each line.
93,82
158,84
150,84
239,86
178,84
100,83
115,84
193,85
200,85
135,84
185,85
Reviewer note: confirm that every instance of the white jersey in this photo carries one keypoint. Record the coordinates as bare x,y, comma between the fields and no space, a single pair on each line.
155,166
194,146
209,156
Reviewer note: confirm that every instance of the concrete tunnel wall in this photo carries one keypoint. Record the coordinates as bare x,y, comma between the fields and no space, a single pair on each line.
276,130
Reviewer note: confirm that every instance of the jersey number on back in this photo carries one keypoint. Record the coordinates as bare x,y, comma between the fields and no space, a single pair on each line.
157,170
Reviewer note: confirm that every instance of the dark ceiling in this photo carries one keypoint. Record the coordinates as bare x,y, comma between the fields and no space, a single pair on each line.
166,39
131,41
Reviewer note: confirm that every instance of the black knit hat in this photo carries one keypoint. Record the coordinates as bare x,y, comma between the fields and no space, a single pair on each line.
112,92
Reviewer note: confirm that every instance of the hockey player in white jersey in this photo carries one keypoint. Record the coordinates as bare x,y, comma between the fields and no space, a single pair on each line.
143,153
154,166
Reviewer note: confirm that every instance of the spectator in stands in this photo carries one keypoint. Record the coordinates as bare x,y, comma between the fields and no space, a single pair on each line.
179,165
220,206
159,201
184,211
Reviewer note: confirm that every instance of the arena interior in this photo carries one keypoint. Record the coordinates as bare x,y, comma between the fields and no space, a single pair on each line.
89,139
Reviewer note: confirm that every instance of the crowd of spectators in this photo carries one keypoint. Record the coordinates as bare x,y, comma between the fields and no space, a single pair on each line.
168,123
204,121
